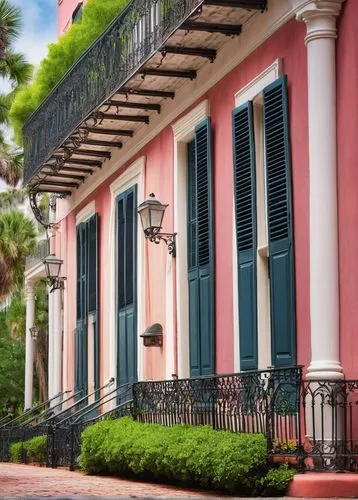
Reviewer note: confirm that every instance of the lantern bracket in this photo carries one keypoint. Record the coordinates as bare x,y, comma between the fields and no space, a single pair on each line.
168,238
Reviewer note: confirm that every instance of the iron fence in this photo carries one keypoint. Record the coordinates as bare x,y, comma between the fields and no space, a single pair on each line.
310,424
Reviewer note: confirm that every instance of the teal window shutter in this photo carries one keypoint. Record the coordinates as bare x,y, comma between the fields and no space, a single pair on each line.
246,231
280,232
92,289
201,253
81,325
126,276
78,311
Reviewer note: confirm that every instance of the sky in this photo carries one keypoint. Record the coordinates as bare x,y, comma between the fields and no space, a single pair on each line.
38,30
39,27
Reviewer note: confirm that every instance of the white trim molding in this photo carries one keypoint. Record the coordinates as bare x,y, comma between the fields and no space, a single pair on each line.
183,133
86,213
134,175
253,88
185,126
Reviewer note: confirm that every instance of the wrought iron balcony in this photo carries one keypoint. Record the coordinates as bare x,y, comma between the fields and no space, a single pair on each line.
66,138
38,255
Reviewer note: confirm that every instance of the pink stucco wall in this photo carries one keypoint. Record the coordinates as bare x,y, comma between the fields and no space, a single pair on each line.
65,10
287,44
347,101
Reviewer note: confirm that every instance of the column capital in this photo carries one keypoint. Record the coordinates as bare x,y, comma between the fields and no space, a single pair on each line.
320,17
29,288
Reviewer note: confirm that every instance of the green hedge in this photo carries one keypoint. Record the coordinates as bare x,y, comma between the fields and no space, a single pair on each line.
34,448
97,15
187,455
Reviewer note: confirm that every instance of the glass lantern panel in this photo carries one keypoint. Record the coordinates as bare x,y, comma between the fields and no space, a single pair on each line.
157,214
145,218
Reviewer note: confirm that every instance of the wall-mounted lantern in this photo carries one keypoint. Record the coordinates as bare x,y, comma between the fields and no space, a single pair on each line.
151,213
153,335
53,270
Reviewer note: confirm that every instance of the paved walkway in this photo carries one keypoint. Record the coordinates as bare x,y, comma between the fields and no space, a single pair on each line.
30,481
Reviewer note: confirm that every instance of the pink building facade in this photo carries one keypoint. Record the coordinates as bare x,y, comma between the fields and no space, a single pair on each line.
266,239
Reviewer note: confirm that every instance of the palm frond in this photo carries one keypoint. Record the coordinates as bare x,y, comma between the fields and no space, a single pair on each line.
5,103
10,19
16,67
11,164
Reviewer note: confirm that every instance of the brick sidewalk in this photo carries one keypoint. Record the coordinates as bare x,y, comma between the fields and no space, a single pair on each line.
26,480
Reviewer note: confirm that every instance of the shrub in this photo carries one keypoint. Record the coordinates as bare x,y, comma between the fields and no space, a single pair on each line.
16,452
97,15
34,448
182,454
276,480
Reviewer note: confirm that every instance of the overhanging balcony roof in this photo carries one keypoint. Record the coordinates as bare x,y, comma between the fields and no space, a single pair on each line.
145,55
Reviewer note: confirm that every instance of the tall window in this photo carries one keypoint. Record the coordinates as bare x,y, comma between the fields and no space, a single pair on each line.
264,235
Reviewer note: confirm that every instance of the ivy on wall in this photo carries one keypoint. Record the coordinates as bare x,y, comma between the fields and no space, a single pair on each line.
97,15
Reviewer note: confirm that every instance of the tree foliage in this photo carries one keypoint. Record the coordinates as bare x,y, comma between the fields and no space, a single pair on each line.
61,56
12,358
17,241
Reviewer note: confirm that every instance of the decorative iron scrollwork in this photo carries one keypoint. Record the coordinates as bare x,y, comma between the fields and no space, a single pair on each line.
135,35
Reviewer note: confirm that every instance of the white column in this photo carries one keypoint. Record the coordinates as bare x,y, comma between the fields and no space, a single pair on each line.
50,368
57,342
320,18
29,356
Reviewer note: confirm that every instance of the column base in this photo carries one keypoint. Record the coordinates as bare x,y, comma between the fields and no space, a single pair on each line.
325,370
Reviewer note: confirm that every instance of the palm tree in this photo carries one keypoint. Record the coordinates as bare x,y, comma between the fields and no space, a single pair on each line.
10,24
16,68
11,199
11,164
17,241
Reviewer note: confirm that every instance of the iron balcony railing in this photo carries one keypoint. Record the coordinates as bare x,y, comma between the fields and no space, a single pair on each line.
133,37
38,255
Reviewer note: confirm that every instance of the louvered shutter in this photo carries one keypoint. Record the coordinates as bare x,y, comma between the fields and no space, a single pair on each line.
81,326
246,232
92,289
126,286
78,312
279,205
200,252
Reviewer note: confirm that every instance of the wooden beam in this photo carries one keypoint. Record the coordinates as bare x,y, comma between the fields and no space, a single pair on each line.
190,51
134,105
105,144
125,118
91,152
225,29
240,4
163,94
60,184
108,131
66,176
57,191
71,169
75,161
191,74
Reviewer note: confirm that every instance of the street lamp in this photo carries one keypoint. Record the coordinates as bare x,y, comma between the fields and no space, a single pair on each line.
151,213
53,270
